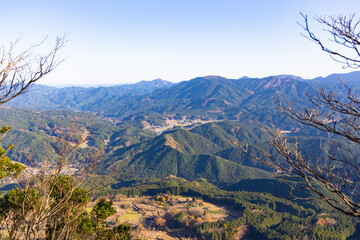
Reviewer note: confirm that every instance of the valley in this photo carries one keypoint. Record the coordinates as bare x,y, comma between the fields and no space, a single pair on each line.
172,149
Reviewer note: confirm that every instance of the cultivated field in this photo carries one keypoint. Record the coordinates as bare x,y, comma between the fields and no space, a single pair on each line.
153,217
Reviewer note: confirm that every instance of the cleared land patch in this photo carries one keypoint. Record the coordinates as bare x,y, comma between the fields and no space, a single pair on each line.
164,216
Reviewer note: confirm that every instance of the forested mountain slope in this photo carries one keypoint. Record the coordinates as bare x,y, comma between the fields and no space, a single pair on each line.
205,151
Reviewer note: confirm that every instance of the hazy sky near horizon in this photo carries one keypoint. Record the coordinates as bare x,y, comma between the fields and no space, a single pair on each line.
114,42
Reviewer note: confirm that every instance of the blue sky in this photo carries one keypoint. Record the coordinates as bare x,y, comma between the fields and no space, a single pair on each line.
113,42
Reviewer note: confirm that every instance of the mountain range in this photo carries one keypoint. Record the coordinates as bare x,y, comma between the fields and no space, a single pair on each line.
43,97
131,122
211,97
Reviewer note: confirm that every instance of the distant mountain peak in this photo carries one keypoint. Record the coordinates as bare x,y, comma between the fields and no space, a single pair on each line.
281,80
154,80
156,83
157,80
212,77
161,81
276,81
288,76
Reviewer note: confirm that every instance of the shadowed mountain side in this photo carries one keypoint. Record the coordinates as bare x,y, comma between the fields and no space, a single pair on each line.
276,187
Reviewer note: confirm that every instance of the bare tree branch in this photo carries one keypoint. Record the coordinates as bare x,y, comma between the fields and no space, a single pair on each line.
344,31
19,71
337,170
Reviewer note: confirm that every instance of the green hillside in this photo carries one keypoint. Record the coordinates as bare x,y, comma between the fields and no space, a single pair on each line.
188,154
204,151
33,132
